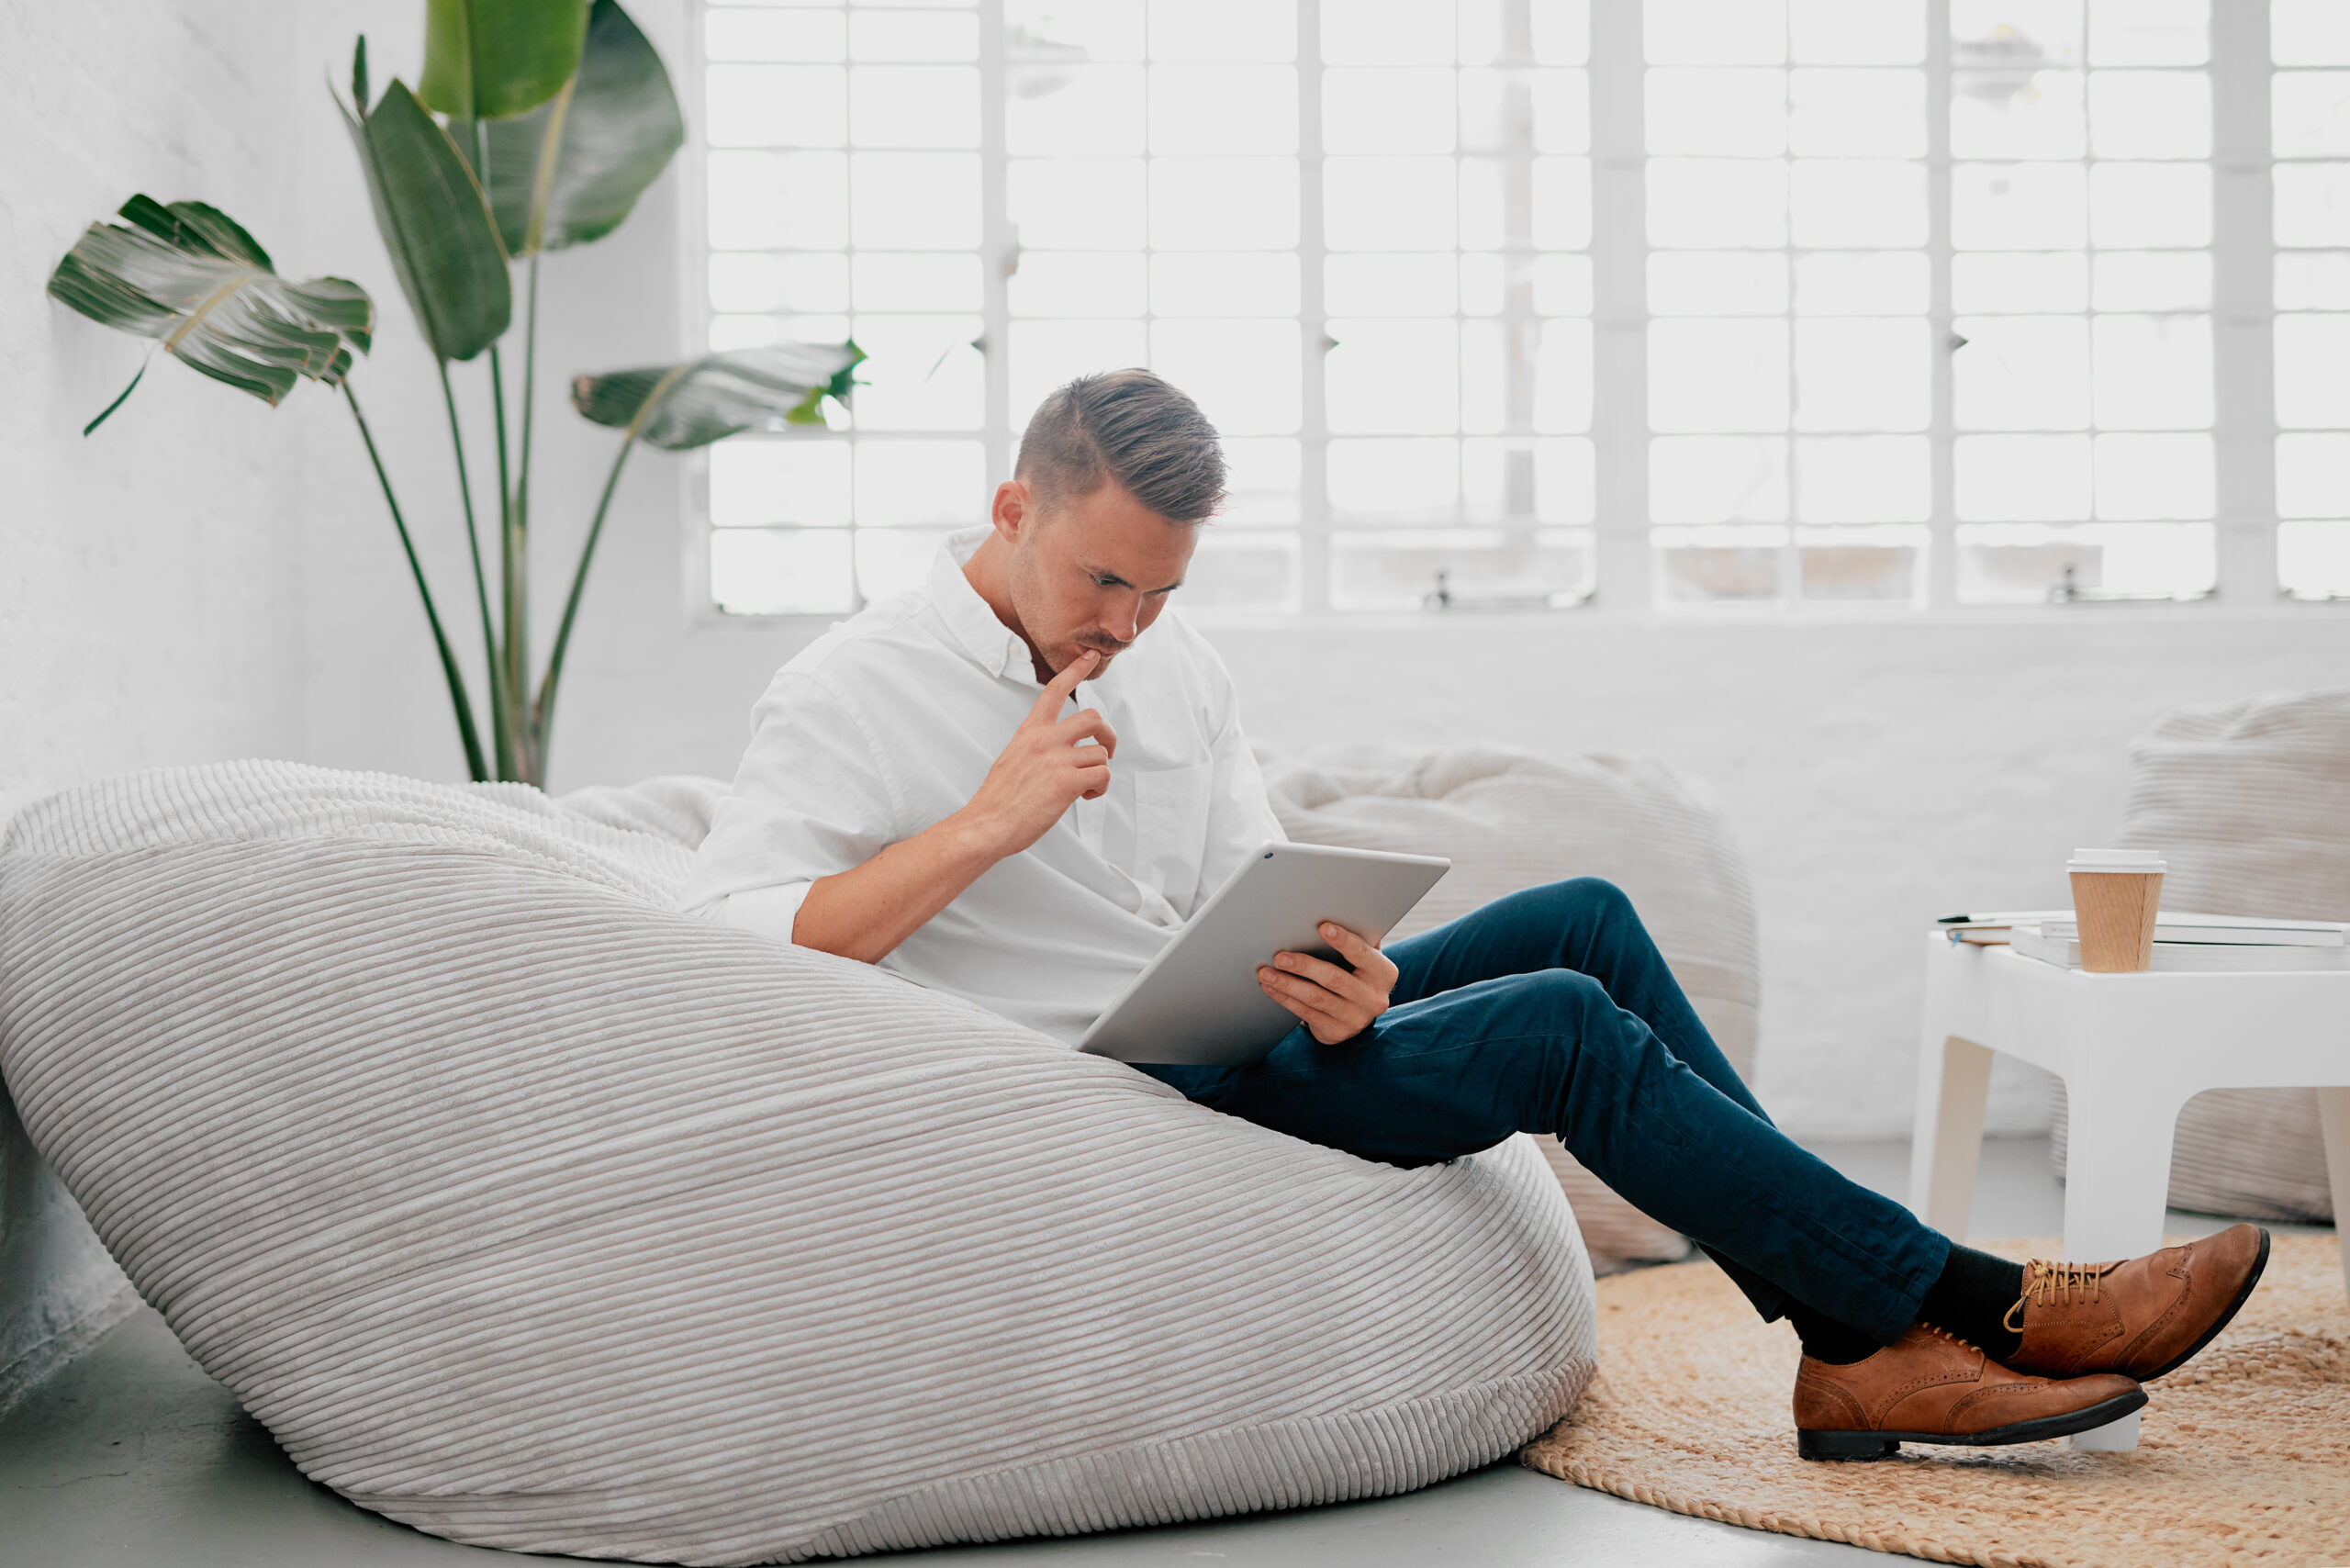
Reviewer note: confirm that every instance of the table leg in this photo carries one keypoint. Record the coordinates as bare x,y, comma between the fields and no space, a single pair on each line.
2117,1181
1946,1139
2334,1112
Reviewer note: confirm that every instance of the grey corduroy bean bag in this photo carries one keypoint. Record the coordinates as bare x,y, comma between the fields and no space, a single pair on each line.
527,1211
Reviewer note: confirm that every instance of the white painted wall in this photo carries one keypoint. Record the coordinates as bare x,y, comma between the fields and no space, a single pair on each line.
211,578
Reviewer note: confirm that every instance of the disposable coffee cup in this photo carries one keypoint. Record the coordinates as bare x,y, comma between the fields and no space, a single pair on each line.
2117,893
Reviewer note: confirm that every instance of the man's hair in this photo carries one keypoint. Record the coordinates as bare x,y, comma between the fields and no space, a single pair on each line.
1130,426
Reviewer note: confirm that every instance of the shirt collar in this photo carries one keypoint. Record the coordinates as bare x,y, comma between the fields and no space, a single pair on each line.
994,646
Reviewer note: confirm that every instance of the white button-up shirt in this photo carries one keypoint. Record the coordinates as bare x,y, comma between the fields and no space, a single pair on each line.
887,724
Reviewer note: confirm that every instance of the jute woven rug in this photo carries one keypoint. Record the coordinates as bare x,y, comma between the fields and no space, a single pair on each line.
2243,1454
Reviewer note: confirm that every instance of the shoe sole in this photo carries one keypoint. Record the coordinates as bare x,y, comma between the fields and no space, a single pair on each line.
1865,1446
2259,1266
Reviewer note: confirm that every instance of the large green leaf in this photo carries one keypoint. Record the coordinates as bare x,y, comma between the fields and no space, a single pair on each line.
435,224
190,278
706,400
488,58
570,170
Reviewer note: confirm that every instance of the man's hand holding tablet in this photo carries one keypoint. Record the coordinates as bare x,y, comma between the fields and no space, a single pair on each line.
1333,1003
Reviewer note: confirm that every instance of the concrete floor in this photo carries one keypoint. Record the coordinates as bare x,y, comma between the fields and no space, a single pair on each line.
132,1457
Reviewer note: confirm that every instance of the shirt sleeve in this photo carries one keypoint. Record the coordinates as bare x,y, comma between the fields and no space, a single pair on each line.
811,799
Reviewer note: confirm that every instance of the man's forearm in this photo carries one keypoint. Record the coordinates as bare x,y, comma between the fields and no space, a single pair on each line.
864,913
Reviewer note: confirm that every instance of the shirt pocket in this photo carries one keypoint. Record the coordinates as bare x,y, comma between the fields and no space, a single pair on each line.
1171,808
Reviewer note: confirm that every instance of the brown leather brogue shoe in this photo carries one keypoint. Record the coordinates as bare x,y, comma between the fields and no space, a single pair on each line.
1931,1387
2141,1317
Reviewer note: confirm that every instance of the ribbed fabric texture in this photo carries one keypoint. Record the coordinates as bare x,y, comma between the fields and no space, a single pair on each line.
1511,820
2249,803
530,1213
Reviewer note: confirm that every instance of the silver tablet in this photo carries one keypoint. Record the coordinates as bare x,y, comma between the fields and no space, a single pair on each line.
1198,1003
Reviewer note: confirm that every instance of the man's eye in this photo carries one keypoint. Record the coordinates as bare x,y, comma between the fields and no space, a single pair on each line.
1105,582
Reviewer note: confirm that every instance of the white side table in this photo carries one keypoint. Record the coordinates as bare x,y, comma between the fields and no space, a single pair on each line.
2133,1050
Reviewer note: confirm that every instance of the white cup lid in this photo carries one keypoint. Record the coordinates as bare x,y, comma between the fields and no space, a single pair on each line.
2138,860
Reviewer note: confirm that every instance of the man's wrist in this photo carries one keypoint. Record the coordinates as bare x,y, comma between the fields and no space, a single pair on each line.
975,836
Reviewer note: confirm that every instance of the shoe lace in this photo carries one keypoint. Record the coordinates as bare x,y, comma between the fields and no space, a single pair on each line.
2045,1282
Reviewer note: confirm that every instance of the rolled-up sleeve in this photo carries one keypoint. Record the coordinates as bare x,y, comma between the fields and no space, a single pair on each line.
809,801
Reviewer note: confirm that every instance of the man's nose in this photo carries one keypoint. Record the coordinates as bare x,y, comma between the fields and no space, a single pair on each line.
1121,617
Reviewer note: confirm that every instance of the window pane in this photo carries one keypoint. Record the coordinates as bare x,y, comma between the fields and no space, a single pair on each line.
1893,283
1857,32
2309,32
1046,354
1562,111
1078,283
919,481
1386,110
1857,114
1563,285
1386,32
2149,32
2313,475
1717,282
2154,373
2035,113
914,35
915,106
768,282
1393,376
1861,375
777,572
2019,207
892,560
1562,377
1224,29
2312,203
1858,204
2150,114
1256,570
1244,373
1718,376
1388,203
779,200
914,201
773,35
2312,282
1388,478
1702,565
2021,372
1717,478
2016,33
1050,111
1223,204
2311,385
2313,559
1260,480
924,372
2154,280
2021,477
1739,114
1871,566
801,479
1561,207
2150,204
1457,569
1863,479
1244,284
1703,203
1391,285
917,282
2155,476
1077,203
2035,563
1225,108
2006,284
776,105
1714,32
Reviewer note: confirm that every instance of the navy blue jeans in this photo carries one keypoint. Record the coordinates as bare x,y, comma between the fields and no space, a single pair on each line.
1549,1010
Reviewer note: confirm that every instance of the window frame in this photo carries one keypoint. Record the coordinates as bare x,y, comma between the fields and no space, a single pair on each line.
1625,568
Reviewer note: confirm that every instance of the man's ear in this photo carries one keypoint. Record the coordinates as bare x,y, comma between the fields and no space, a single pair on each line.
1015,510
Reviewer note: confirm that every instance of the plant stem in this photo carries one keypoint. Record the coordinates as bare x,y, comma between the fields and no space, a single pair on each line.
501,738
542,711
518,620
458,698
509,581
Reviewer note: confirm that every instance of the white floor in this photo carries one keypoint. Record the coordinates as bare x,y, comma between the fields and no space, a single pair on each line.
132,1457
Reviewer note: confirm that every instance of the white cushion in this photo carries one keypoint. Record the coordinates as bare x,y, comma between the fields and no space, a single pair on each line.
530,1212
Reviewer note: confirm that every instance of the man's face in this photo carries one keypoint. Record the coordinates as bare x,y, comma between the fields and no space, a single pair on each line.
1092,572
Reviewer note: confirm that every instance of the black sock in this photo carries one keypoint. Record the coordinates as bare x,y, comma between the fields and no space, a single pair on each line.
1971,1299
1825,1339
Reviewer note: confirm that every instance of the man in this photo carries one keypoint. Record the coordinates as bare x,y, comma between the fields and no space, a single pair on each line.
919,795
